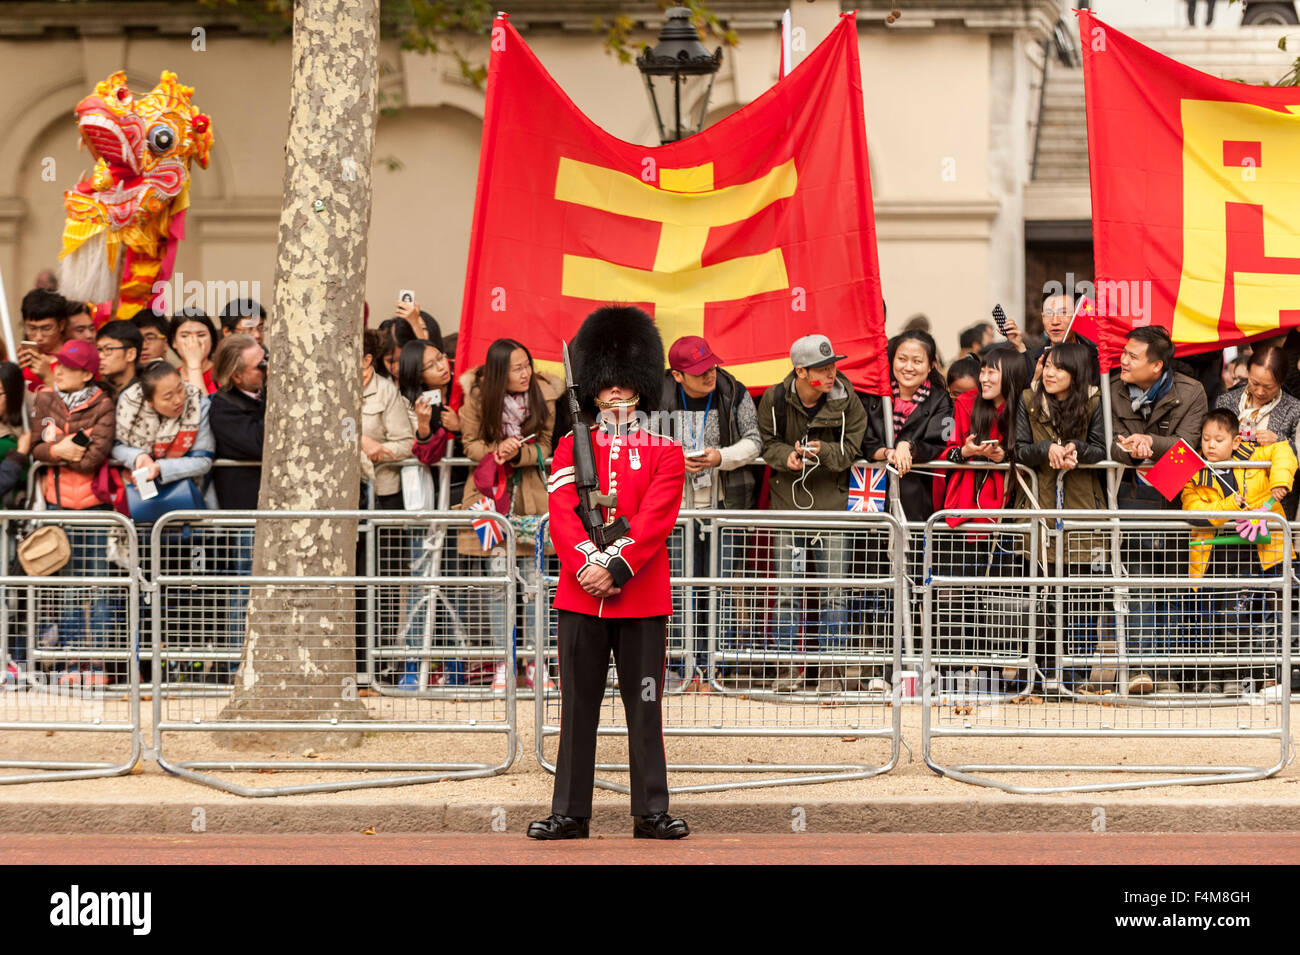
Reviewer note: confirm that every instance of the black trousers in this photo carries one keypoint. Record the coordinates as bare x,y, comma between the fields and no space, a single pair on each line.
640,646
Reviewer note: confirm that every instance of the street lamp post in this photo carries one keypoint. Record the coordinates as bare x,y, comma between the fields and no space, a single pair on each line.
688,68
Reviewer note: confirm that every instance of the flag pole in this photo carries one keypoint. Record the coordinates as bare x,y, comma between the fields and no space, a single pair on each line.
10,344
1082,301
1108,429
784,62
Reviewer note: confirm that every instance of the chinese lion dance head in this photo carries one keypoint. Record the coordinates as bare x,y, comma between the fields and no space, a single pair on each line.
133,203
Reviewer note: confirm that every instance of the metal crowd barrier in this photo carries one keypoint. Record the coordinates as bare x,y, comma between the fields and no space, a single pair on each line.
778,596
408,727
915,550
69,636
1125,645
792,627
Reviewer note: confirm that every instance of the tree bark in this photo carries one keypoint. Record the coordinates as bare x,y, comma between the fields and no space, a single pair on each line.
298,658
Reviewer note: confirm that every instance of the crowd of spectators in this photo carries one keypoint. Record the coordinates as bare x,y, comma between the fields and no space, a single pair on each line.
132,410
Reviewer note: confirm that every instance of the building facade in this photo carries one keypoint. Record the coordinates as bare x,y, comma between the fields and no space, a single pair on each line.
952,95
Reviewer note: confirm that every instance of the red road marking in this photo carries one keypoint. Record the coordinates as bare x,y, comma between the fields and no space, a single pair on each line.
712,848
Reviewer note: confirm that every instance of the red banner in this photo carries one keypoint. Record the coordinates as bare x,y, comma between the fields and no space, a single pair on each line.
1195,198
752,233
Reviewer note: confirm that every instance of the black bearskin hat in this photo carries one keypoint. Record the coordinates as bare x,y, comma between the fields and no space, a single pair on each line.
618,345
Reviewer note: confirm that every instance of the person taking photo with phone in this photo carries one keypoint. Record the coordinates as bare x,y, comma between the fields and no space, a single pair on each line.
45,319
424,380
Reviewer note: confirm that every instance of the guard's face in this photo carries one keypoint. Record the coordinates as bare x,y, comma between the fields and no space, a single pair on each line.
615,393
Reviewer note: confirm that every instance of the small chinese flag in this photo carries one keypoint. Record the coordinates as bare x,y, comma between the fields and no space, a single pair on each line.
1175,468
1084,321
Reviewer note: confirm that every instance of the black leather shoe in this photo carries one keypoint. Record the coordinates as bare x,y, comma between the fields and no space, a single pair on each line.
556,826
660,826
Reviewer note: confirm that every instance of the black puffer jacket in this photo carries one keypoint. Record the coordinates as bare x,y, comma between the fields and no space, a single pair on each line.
926,429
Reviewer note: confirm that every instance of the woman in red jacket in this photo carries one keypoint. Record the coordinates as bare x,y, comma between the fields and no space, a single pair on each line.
984,431
73,424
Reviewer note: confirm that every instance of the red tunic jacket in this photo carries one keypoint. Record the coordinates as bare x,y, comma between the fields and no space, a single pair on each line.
646,471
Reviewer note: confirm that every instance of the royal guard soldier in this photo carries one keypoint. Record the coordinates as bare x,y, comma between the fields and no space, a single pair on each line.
615,490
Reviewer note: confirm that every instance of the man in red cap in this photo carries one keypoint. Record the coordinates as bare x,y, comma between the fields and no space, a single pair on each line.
73,425
714,417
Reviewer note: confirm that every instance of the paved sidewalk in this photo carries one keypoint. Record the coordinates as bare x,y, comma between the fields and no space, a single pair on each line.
909,799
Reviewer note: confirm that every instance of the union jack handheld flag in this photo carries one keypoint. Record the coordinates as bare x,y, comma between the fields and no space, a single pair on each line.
487,529
867,491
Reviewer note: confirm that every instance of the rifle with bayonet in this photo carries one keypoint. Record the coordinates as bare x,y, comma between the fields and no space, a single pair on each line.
585,479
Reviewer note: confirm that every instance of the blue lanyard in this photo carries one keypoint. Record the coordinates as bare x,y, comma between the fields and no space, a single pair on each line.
695,445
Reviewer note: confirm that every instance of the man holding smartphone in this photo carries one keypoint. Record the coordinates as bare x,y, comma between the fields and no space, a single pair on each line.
45,317
812,425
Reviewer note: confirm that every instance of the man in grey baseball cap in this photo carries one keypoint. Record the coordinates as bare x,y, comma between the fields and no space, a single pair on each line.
814,351
812,426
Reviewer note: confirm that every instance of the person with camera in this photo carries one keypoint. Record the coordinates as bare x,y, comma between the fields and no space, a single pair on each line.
424,379
45,320
243,316
422,325
238,417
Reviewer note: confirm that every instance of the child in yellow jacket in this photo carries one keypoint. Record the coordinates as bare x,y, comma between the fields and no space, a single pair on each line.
1242,621
1253,489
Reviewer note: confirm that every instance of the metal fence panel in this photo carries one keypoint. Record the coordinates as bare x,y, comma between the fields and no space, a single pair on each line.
69,680
1107,615
785,634
423,625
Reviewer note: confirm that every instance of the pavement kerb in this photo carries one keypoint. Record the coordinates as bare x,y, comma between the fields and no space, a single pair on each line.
203,813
